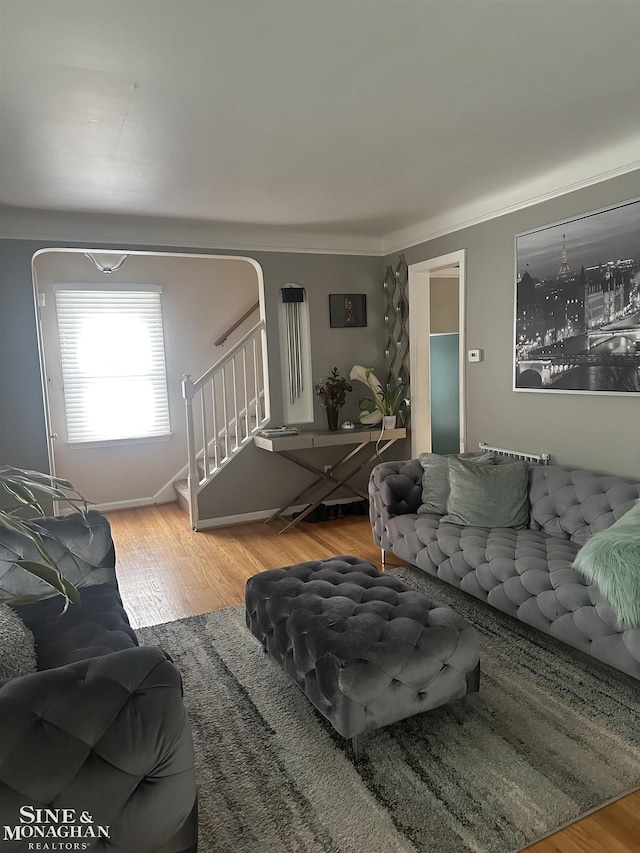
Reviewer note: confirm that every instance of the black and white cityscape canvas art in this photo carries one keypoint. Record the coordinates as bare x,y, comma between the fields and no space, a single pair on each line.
577,325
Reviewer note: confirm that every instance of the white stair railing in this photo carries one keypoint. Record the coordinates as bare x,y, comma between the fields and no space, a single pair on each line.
225,407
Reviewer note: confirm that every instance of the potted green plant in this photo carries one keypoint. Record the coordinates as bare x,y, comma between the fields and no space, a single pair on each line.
23,498
390,400
386,400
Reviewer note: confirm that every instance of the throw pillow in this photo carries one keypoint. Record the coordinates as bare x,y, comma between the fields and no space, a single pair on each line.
611,561
488,495
435,480
17,645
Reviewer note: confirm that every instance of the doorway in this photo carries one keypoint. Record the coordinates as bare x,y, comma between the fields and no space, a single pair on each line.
437,348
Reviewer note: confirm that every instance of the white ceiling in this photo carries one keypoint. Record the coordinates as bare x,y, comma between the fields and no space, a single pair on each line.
351,117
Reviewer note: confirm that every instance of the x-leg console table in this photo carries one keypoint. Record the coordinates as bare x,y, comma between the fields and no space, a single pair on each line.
340,472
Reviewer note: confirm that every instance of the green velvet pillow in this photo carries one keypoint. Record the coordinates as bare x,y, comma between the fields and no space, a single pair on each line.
488,495
611,561
435,480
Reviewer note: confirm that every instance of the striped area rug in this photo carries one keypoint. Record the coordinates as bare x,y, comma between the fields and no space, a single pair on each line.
550,736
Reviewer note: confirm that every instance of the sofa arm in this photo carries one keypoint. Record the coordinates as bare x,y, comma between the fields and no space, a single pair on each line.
107,736
395,488
83,551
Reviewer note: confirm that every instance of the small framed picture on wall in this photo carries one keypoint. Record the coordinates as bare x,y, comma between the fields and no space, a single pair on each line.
347,310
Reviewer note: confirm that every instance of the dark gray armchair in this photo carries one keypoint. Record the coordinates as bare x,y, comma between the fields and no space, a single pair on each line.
101,727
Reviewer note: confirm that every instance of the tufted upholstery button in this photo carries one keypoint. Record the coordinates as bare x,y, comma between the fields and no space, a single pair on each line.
365,648
98,627
536,581
563,575
474,555
495,550
550,605
486,577
449,544
589,622
459,564
572,596
515,590
530,613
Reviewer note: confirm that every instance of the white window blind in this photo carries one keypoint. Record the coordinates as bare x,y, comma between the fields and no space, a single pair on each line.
113,365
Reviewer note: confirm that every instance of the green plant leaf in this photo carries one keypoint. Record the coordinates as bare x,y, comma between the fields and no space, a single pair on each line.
53,577
30,489
24,496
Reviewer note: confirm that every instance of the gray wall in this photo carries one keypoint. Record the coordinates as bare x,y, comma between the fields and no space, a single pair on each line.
22,431
599,432
257,480
261,480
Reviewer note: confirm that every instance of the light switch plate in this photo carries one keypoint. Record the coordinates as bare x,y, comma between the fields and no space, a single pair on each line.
474,355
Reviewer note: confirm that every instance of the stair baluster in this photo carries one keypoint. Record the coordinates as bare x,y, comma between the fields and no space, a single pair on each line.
243,411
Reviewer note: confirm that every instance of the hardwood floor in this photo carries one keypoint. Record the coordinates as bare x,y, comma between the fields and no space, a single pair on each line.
168,572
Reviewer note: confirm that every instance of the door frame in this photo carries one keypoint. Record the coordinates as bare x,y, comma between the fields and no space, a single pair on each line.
419,290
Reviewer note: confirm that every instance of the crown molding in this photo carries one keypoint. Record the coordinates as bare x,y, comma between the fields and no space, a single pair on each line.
129,230
584,172
126,230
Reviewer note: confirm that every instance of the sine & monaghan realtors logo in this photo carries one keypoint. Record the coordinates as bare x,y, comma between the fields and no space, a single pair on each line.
54,829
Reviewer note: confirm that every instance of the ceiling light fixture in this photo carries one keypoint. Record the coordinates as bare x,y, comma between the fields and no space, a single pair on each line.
107,270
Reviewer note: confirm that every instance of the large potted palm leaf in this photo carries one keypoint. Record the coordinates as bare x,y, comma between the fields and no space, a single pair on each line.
25,497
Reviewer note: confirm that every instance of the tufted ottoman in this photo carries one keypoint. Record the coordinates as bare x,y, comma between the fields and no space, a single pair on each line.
366,649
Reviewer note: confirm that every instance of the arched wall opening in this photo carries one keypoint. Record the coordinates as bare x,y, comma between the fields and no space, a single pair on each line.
202,297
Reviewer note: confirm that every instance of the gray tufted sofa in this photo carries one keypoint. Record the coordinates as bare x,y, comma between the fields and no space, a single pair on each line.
525,573
101,727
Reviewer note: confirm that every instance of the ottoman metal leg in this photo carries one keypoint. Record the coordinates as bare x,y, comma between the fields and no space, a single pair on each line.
473,680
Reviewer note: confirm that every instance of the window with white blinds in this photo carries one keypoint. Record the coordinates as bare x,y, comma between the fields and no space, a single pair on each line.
113,365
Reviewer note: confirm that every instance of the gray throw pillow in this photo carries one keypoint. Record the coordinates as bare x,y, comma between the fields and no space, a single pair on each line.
488,495
435,480
17,645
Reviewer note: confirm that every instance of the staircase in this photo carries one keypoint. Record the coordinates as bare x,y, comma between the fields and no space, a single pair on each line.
225,408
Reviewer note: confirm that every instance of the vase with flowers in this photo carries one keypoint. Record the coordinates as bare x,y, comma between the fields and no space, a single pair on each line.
332,392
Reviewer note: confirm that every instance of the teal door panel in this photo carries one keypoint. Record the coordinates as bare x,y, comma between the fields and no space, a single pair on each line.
445,389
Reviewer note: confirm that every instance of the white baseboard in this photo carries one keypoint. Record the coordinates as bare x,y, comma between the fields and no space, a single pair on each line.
132,504
242,518
224,520
207,523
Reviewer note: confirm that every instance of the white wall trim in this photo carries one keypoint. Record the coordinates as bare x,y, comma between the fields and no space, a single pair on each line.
207,523
127,230
109,229
582,173
419,300
223,520
243,518
136,503
167,493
